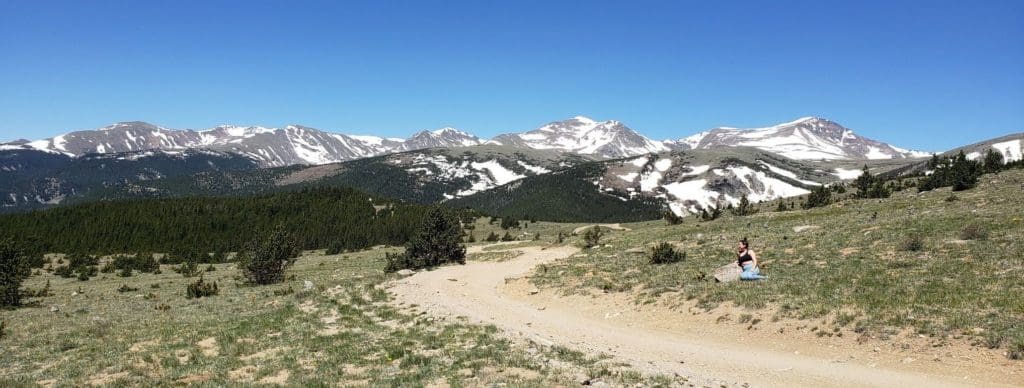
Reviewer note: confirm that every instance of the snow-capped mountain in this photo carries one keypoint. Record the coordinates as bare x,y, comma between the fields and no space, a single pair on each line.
804,139
808,138
690,184
582,135
442,138
271,147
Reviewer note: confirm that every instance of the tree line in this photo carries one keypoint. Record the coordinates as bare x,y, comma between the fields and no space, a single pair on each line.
340,218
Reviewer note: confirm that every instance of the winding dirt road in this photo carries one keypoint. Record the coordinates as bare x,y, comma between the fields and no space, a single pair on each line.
665,341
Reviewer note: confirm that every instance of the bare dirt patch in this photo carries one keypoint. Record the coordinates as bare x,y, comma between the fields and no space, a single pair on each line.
105,378
280,378
143,345
243,374
308,174
209,347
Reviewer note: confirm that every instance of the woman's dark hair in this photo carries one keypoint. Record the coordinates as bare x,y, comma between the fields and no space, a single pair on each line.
745,243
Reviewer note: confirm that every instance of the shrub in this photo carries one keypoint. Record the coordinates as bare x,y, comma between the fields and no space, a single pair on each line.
127,272
493,237
140,262
187,269
210,268
671,218
436,242
508,222
1016,351
201,288
745,208
973,232
265,258
821,196
3,328
508,237
126,288
592,237
12,272
952,198
664,253
913,243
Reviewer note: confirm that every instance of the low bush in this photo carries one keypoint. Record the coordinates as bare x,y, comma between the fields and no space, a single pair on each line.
592,237
201,288
664,253
126,288
973,232
912,243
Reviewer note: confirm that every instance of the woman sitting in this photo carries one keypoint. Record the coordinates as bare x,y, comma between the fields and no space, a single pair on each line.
748,261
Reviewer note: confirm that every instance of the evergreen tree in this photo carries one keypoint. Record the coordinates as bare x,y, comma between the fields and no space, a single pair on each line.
782,207
993,161
437,242
508,222
671,218
964,173
492,237
265,258
864,182
12,272
745,208
592,237
821,196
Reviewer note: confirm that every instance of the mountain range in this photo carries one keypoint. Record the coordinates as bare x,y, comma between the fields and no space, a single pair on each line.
572,170
808,138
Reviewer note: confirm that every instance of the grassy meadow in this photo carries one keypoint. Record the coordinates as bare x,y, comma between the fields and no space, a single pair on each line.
340,332
947,265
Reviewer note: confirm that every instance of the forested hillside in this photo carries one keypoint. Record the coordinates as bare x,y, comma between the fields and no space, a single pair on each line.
562,196
318,218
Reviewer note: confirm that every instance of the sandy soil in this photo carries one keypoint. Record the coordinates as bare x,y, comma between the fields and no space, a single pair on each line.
659,339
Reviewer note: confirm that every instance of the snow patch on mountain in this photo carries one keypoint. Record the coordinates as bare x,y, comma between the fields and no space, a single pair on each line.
1011,150
846,174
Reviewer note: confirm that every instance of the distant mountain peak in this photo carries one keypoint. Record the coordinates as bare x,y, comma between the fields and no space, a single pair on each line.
804,138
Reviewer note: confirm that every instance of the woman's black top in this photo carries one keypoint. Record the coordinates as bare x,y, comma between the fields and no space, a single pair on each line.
745,258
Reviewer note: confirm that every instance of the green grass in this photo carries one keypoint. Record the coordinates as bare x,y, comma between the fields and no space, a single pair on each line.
343,330
853,266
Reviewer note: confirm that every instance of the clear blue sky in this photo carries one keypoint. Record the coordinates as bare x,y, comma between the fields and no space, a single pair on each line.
922,74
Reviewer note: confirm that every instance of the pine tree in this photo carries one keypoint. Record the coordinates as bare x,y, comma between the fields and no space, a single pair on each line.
12,272
993,161
964,172
437,242
821,196
864,182
745,208
265,258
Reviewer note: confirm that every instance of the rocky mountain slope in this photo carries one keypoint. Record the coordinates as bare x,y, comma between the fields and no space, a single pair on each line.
31,179
271,147
808,138
804,139
582,135
684,182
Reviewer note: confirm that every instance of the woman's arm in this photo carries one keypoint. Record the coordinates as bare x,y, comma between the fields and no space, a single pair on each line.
754,256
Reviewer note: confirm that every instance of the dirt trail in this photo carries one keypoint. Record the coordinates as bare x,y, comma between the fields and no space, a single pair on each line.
666,341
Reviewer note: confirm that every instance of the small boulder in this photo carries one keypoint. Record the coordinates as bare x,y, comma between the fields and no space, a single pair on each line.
405,272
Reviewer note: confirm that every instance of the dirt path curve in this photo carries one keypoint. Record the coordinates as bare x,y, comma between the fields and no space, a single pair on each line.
486,292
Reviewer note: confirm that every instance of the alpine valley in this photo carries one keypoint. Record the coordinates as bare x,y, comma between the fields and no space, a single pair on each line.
572,170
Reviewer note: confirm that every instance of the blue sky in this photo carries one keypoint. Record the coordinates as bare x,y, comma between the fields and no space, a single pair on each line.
925,75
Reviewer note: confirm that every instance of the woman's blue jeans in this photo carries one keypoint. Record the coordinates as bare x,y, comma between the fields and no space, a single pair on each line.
750,272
